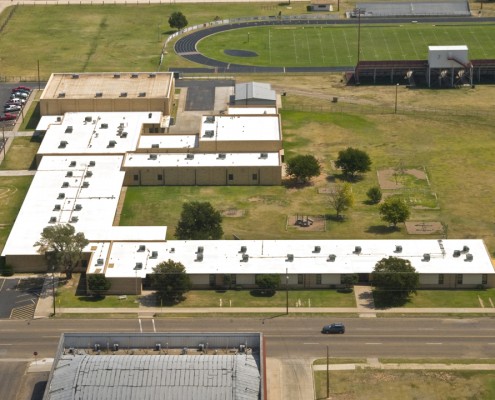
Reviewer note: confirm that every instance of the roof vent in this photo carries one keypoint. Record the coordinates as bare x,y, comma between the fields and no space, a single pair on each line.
199,257
245,257
317,249
89,174
75,76
290,257
59,119
398,249
72,164
331,257
52,220
92,163
457,253
189,156
99,261
63,144
465,249
200,250
65,184
152,157
57,207
209,134
112,143
139,265
154,254
243,249
88,118
142,94
155,146
123,135
150,115
357,250
152,75
141,248
68,174
116,76
104,126
426,257
123,94
134,76
469,257
99,94
210,119
221,156
61,94
78,207
61,196
85,184
74,219
263,155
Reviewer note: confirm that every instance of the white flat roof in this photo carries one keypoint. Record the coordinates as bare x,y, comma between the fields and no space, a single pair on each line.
72,190
271,256
240,127
95,133
201,160
251,110
180,142
446,48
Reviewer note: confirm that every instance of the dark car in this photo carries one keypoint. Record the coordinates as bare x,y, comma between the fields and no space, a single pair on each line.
334,328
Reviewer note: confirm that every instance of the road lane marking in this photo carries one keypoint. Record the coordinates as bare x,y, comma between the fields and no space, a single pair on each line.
140,326
3,283
433,344
7,344
310,343
153,322
373,343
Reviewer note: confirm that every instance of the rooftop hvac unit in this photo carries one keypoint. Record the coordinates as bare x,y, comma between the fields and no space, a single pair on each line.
290,257
69,129
426,257
263,155
331,257
457,253
158,346
123,135
210,119
75,76
88,118
243,249
92,163
155,146
357,250
200,249
61,196
59,119
221,156
85,184
112,143
89,174
104,126
138,266
242,348
68,174
123,94
65,184
201,347
97,347
115,347
61,94
189,156
74,219
209,134
63,144
72,164
116,76
153,157
154,254
199,257
398,249
57,207
141,248
317,249
78,207
245,257
172,249
469,257
99,94
52,220
134,76
142,94
99,261
465,249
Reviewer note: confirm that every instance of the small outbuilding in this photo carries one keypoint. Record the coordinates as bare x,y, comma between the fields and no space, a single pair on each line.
255,93
320,5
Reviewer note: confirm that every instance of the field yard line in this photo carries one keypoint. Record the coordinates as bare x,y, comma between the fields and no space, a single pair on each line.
438,42
295,44
488,39
373,44
412,43
400,45
476,38
307,42
335,53
386,44
321,48
270,45
347,44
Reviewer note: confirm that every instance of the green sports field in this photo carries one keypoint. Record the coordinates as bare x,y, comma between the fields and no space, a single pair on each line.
296,46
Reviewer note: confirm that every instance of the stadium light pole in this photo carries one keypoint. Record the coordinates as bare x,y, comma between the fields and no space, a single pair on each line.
53,289
359,35
396,90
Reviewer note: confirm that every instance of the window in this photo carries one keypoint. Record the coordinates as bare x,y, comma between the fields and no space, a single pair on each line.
233,279
212,280
160,177
136,178
459,279
255,177
231,177
318,279
440,279
300,279
484,279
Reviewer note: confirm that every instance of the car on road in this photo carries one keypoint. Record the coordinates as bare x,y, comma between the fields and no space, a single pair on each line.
337,327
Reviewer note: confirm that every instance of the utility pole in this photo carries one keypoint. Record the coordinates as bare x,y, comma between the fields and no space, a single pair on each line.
328,377
287,291
396,89
53,289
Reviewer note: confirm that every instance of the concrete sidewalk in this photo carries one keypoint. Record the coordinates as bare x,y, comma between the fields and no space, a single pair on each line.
375,364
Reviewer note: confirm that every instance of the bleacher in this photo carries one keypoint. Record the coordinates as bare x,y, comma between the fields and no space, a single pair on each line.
413,9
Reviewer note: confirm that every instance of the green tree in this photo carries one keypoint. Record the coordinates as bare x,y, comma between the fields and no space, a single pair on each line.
199,221
348,281
62,247
303,167
170,280
177,20
352,161
374,195
268,283
394,210
395,279
341,198
98,284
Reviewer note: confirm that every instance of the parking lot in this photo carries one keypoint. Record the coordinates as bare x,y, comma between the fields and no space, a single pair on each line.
19,297
5,93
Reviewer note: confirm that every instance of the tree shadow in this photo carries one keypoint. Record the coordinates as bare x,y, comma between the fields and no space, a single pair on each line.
292,183
330,178
348,178
262,293
388,299
91,298
382,229
169,32
335,217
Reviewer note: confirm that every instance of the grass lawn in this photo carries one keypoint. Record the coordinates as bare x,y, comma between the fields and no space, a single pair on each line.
12,192
451,299
21,153
406,384
246,298
296,46
32,116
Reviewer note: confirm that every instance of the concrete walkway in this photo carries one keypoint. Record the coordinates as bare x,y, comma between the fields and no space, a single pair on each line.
375,364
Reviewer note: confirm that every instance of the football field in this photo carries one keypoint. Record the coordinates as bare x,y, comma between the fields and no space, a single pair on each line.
337,45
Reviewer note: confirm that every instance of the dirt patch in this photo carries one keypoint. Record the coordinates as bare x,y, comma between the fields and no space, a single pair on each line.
233,213
308,223
424,227
387,181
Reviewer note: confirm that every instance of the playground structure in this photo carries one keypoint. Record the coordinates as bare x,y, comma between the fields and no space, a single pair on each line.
303,221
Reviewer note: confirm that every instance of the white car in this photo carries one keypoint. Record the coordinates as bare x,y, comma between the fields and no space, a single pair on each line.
17,100
21,95
11,108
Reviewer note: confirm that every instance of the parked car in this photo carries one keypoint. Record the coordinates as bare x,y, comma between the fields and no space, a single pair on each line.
28,89
11,108
8,117
337,327
16,100
21,95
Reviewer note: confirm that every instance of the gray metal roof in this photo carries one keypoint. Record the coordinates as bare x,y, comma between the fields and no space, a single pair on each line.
147,377
254,90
